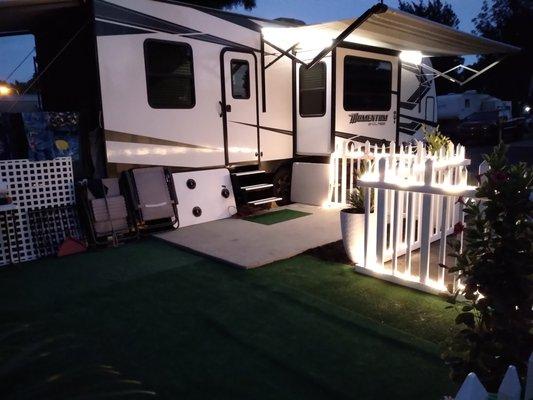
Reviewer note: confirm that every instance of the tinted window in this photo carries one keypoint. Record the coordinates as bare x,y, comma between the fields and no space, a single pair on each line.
240,79
313,90
169,74
367,84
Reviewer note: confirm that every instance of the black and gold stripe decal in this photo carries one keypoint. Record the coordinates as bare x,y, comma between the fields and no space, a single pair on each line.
110,16
121,137
266,128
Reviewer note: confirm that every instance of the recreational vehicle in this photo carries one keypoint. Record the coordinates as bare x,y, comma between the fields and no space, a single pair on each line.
192,88
460,105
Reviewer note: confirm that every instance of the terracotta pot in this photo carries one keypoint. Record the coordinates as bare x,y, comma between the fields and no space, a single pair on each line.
353,235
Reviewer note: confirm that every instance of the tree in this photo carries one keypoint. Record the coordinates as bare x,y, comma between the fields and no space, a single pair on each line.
441,12
508,21
248,4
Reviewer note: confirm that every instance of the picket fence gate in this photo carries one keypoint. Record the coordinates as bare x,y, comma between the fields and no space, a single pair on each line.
412,200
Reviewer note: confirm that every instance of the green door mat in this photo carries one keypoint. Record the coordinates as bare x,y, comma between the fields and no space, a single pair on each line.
276,216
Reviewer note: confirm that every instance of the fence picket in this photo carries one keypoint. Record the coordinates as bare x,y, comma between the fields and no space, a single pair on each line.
510,388
381,216
529,379
472,389
427,219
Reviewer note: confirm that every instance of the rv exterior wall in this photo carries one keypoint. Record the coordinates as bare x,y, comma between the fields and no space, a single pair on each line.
189,133
313,133
377,121
418,103
276,129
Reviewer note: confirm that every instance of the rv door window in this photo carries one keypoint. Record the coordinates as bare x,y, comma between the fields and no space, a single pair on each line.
367,84
313,90
169,74
240,79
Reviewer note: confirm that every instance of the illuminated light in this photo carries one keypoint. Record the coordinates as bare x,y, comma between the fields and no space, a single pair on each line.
5,90
527,109
411,57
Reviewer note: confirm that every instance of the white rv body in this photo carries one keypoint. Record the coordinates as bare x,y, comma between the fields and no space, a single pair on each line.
219,129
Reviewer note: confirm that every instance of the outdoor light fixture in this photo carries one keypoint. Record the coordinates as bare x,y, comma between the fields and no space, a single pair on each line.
527,109
411,57
5,90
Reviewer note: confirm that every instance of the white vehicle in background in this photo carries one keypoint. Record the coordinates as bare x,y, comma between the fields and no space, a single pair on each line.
472,116
461,105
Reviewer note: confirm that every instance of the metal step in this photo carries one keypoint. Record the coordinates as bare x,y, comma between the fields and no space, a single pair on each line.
244,173
259,186
264,201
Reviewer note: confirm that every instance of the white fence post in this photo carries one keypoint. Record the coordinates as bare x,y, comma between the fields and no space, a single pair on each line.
427,218
381,213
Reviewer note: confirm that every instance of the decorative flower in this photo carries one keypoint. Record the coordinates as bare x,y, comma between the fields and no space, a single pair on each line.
458,228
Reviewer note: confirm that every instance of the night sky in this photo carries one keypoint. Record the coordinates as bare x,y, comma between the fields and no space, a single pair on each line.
14,49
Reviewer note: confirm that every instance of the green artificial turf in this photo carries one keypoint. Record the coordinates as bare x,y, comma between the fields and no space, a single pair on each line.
276,217
148,318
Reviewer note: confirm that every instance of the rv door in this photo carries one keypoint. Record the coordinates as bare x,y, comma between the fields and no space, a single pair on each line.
366,105
239,107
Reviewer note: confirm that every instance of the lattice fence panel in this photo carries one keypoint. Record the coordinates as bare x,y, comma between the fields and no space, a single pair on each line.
34,185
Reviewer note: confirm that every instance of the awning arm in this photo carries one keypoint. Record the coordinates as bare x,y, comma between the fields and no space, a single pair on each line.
284,52
375,9
445,74
281,55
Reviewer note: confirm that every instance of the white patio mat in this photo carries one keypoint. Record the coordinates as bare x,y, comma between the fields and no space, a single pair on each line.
250,245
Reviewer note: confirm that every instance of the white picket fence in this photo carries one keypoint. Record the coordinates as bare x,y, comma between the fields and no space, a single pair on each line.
510,387
415,203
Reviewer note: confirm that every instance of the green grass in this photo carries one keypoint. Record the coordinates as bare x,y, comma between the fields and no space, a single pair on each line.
276,217
148,317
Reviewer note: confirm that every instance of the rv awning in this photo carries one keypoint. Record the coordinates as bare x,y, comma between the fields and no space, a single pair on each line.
388,28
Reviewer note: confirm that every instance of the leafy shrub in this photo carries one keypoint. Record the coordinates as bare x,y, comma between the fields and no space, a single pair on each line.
435,140
495,267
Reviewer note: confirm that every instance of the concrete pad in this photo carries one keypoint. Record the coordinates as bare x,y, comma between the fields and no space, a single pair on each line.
250,245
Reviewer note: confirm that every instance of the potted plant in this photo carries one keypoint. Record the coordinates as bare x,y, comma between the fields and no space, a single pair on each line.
353,226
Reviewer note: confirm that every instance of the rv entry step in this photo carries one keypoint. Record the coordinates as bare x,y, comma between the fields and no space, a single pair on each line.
264,201
253,188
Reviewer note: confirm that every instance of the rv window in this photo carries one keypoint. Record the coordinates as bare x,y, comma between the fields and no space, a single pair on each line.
313,90
367,84
240,79
169,74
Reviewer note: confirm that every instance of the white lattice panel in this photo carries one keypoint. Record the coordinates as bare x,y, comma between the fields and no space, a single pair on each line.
33,185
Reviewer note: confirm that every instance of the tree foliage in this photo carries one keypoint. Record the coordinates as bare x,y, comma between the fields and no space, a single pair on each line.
441,12
248,4
495,268
508,21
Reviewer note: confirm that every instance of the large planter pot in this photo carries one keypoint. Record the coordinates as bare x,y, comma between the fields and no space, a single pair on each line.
353,235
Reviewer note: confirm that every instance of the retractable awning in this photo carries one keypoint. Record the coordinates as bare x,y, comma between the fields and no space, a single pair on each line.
387,28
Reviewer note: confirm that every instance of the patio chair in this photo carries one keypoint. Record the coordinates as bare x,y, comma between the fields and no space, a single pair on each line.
153,198
105,213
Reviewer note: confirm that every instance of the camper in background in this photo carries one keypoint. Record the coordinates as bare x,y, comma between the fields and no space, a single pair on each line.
477,117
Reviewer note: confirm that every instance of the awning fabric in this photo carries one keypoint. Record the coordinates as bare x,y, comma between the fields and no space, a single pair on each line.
397,30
